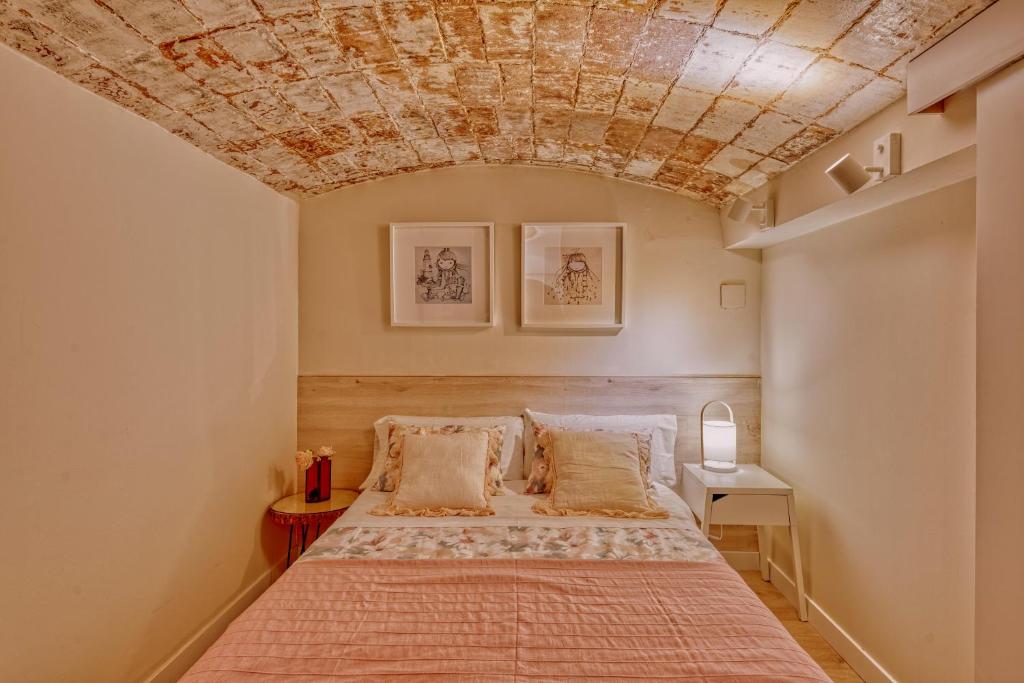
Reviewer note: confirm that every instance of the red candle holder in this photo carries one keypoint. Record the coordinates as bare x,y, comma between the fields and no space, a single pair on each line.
318,481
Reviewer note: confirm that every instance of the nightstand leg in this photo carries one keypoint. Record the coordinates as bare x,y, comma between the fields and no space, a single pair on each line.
305,528
706,522
797,564
291,532
763,551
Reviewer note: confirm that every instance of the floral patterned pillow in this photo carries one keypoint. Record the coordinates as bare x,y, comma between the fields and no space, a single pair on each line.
396,437
542,477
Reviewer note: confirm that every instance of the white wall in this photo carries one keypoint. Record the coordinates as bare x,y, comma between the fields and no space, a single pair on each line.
868,411
675,265
1000,556
147,382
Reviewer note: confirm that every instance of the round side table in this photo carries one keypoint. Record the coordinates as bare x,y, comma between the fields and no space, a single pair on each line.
295,511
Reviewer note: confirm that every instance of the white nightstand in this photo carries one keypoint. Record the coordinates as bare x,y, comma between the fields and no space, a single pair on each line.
747,496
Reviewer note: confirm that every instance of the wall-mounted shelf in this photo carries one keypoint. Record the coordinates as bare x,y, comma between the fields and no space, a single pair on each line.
948,170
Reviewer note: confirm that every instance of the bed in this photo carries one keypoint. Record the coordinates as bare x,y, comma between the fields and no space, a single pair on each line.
512,597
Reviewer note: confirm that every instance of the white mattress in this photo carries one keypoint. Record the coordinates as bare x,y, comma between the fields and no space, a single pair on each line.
514,509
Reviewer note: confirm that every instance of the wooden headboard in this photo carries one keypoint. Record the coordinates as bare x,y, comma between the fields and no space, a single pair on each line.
339,411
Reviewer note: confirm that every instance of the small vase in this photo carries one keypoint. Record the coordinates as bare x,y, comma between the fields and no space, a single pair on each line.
318,481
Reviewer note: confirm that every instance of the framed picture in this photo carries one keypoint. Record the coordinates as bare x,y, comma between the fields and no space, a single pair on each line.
442,274
572,275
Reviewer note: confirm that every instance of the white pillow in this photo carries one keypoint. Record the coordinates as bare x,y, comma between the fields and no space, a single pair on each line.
662,428
511,448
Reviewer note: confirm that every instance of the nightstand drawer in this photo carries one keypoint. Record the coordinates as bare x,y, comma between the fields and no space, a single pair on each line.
739,508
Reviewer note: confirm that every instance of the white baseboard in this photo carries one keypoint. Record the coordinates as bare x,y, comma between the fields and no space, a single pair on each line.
175,666
849,649
742,560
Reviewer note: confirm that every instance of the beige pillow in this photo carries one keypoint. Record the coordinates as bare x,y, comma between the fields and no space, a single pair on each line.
598,473
442,474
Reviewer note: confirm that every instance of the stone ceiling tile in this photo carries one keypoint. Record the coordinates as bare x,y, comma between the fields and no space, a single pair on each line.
267,109
508,29
162,80
633,5
588,127
190,130
696,150
256,46
479,85
553,123
554,88
715,60
516,84
309,98
726,119
643,168
640,99
413,29
893,28
771,70
752,17
675,173
436,84
483,121
361,36
682,109
464,150
460,26
659,143
818,23
453,124
580,154
352,94
698,11
821,87
279,8
496,149
663,49
611,40
40,43
220,13
432,151
768,131
561,32
598,93
311,44
802,144
862,104
377,127
307,143
210,65
224,119
343,137
625,133
107,84
548,150
732,161
89,26
160,21
515,122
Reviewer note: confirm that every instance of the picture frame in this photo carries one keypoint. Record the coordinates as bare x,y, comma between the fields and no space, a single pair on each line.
572,276
442,274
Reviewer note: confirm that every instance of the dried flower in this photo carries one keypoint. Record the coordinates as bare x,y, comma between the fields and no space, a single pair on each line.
304,459
325,452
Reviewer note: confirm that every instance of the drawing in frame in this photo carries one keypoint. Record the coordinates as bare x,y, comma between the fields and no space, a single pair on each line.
572,276
442,274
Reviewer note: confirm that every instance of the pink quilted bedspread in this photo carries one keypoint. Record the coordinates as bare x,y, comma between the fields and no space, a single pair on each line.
506,620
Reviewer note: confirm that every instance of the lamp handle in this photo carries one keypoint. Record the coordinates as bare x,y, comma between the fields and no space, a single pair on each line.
706,405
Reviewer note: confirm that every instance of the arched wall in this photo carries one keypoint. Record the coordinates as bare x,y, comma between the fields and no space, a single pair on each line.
675,264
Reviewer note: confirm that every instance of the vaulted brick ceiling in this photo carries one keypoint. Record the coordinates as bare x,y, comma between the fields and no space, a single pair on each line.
708,98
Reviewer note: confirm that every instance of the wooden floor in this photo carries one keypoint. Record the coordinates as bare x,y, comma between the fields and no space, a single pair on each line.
816,646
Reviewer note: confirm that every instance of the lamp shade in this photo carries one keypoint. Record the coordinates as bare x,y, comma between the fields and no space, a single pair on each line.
848,174
718,441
